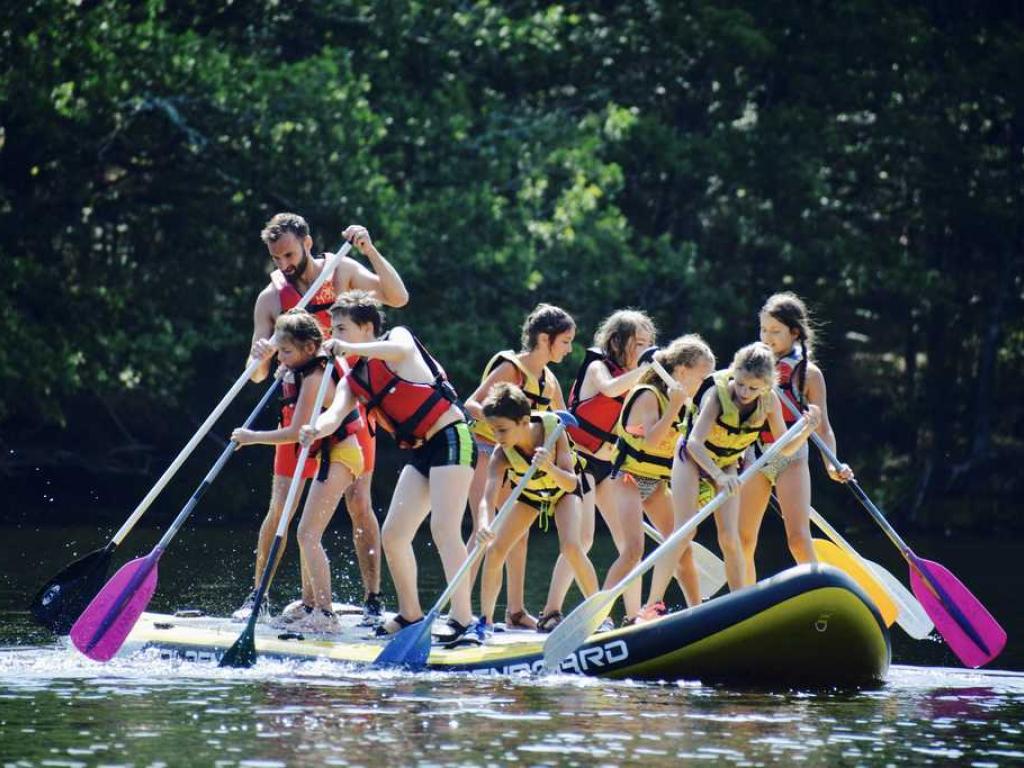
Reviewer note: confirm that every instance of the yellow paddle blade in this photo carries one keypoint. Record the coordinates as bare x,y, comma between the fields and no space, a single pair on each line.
830,554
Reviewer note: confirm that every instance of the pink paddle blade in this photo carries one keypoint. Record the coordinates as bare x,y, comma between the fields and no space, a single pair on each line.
964,623
103,626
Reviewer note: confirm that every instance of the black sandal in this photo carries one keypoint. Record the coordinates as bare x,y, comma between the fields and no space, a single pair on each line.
549,621
381,630
461,634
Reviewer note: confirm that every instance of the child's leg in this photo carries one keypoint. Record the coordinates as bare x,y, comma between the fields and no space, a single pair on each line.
365,531
629,518
268,530
794,489
658,507
476,495
686,489
410,504
515,525
515,576
562,575
322,501
753,501
570,544
727,520
449,491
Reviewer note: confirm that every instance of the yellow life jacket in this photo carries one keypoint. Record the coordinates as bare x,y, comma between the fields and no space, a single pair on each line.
730,435
634,454
542,488
531,386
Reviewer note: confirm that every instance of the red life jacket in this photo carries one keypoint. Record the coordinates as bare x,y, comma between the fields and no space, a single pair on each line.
786,368
318,305
290,388
597,415
406,409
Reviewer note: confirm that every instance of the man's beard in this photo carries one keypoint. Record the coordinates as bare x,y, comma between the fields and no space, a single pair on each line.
300,268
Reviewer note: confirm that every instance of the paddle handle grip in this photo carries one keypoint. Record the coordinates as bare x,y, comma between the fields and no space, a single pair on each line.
215,470
206,426
477,551
668,546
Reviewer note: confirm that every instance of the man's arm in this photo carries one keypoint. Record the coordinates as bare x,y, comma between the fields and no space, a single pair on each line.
265,313
384,281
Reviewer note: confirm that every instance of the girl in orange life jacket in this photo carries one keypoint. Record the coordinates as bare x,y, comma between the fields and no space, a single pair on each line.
653,418
554,489
547,337
404,387
732,413
608,372
786,328
298,339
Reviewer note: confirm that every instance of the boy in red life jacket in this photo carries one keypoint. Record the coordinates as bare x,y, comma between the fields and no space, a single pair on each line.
298,339
787,329
400,384
288,241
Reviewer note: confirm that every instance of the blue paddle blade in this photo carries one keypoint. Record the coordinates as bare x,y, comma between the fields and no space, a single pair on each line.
410,647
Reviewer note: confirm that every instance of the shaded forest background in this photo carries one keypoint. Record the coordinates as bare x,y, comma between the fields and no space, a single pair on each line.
689,158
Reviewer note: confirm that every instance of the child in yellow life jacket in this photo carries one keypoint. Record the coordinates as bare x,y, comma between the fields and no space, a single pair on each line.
731,415
786,328
553,490
653,419
608,371
547,337
298,339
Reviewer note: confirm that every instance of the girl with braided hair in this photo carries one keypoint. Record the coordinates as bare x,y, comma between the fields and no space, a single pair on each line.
787,329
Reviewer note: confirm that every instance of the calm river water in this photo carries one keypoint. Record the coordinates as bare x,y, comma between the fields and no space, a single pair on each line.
58,709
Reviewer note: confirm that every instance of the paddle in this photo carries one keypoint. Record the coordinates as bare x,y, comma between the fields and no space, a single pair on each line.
911,614
105,623
243,652
710,568
410,647
61,599
964,623
582,622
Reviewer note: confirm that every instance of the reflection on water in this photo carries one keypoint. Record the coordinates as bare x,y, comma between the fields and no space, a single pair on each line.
59,709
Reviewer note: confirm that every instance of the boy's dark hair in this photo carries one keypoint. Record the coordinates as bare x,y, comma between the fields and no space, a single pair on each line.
361,307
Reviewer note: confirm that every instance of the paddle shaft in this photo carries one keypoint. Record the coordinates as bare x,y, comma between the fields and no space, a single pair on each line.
165,478
293,491
908,554
477,552
154,556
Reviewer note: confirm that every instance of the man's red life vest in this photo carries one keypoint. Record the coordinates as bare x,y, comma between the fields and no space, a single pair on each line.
318,306
597,415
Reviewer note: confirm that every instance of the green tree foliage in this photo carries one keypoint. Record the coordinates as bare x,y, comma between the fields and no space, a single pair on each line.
686,157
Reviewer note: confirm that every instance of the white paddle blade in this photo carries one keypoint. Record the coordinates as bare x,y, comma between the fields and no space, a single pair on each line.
711,570
574,630
912,617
